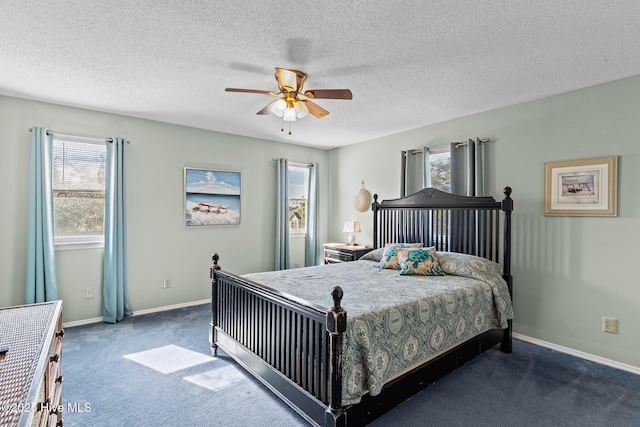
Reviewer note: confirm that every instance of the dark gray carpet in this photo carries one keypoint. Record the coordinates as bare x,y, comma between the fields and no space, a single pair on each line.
533,386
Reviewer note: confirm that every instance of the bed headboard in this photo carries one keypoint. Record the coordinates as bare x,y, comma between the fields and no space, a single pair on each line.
449,222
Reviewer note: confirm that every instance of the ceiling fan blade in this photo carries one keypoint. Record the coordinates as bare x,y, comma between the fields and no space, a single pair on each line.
266,109
264,92
314,109
329,94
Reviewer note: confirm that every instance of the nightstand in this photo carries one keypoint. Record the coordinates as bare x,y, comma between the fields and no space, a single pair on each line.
340,252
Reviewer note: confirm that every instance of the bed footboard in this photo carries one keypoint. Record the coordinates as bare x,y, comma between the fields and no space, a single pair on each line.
291,346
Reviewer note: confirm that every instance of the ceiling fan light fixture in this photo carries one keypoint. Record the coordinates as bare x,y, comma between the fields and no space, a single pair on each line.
289,115
301,109
289,107
278,108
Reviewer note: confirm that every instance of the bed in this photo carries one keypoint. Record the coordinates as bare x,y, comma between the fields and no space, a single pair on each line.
290,330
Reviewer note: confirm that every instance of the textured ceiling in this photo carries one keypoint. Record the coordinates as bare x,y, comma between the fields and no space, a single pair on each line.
408,63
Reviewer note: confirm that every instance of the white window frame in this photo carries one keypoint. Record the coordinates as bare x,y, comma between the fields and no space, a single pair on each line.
298,233
77,242
65,243
439,155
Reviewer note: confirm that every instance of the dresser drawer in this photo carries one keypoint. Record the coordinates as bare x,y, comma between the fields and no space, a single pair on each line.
339,256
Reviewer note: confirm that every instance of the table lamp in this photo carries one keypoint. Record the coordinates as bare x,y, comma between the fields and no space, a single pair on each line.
352,227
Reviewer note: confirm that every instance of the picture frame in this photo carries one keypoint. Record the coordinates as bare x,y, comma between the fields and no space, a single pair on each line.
211,197
584,187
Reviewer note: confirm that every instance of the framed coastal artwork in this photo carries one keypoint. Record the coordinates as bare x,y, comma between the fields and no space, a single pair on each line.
586,187
211,197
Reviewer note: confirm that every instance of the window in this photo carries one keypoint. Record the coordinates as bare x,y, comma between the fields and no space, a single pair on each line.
78,193
440,177
440,169
416,174
298,196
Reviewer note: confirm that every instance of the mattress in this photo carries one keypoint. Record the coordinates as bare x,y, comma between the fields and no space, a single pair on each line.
396,322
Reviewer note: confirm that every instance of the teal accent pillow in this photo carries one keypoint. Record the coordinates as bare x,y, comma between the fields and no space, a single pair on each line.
389,256
420,261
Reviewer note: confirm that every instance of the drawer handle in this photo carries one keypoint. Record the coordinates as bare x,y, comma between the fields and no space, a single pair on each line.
60,333
54,358
331,251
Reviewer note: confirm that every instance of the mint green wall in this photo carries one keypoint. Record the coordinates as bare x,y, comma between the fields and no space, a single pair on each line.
159,245
568,271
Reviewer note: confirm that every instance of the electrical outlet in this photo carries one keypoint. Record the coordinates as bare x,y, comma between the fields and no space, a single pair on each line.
609,324
88,293
167,283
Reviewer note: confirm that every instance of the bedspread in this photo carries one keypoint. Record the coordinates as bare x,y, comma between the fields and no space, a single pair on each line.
396,322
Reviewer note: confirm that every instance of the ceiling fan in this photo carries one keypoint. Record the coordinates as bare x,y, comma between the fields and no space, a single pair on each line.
294,102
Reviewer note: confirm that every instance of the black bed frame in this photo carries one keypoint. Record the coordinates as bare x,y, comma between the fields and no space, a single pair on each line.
295,347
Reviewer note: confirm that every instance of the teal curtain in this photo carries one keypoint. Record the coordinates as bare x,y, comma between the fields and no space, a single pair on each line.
282,261
467,179
458,170
477,163
426,168
416,171
41,282
114,286
467,168
311,249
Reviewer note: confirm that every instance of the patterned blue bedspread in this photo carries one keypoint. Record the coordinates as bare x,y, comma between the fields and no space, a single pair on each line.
396,322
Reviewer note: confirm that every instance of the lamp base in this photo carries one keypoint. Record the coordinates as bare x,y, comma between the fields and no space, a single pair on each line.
352,239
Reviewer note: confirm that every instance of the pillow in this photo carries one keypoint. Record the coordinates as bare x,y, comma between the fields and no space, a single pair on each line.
421,262
468,265
389,256
374,255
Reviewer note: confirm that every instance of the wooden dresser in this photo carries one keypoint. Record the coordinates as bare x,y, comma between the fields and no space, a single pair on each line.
30,371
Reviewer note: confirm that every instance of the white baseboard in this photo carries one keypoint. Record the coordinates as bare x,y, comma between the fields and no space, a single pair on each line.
578,353
138,312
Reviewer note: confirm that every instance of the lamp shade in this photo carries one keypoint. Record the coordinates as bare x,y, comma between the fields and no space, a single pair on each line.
351,227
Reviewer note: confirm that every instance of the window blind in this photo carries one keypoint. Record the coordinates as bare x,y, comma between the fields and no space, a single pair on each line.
78,181
78,166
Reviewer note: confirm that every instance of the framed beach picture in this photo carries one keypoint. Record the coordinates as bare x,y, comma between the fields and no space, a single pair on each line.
585,187
211,197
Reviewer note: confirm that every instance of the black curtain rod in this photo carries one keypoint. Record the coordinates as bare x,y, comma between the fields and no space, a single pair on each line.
462,144
51,132
457,145
275,159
